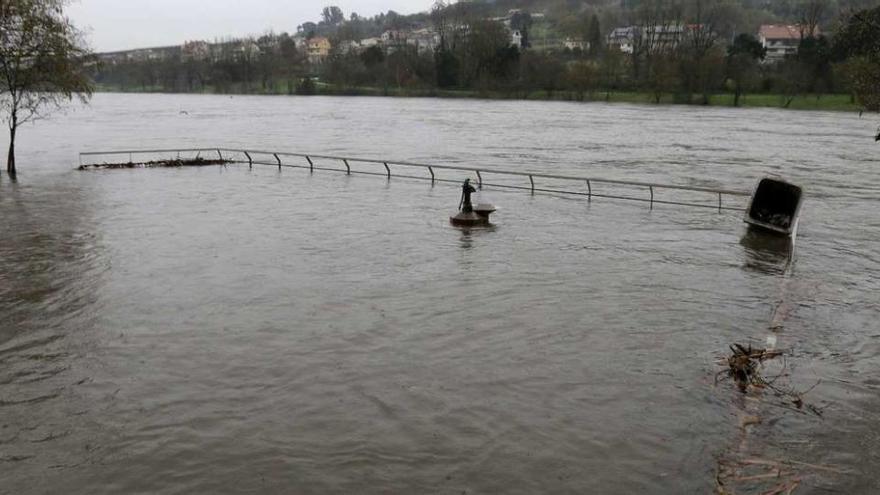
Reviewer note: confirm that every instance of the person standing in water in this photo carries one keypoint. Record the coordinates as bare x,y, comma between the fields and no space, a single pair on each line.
466,189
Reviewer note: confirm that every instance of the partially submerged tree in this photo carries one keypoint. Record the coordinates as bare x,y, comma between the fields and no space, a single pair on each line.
42,63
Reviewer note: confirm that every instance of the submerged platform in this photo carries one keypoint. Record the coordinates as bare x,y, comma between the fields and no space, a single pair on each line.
479,217
472,219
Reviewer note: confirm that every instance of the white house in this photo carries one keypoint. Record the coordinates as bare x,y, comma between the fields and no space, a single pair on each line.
576,44
623,38
348,46
516,38
425,40
780,41
394,36
370,42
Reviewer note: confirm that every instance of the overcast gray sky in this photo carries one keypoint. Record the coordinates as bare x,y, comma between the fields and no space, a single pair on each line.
123,24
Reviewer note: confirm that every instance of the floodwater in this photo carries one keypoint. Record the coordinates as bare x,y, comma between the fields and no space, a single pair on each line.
232,330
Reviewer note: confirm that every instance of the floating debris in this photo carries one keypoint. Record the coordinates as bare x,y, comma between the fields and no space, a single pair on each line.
744,366
744,363
179,162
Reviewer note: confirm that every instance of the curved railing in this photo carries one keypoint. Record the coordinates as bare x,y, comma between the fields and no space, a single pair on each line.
589,187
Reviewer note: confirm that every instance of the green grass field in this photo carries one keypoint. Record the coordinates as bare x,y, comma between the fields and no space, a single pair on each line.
829,102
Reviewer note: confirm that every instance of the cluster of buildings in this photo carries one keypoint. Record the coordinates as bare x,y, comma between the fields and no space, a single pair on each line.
780,41
424,40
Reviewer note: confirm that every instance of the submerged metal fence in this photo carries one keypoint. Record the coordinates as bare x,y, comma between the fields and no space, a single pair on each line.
589,187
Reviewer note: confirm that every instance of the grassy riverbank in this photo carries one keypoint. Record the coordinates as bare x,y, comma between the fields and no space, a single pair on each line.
826,102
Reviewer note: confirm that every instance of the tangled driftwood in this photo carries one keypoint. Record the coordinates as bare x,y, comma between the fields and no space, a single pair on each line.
743,365
179,162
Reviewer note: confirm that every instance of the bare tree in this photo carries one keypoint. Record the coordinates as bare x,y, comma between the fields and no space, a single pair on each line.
42,63
440,19
655,40
702,70
811,14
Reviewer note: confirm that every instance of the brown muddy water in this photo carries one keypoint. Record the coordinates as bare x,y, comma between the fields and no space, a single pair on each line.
226,330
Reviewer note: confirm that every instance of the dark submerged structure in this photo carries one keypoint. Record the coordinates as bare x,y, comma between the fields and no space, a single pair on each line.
775,207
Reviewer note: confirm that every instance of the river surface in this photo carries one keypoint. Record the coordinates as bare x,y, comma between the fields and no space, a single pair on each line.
231,330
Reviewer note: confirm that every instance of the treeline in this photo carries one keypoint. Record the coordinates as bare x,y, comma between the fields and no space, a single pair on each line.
476,54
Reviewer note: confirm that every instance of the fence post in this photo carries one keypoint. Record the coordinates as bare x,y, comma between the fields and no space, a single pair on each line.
431,169
651,188
220,154
311,165
479,180
387,169
532,181
719,203
277,160
250,161
347,167
589,191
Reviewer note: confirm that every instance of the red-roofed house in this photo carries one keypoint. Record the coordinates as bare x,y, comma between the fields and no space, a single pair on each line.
781,40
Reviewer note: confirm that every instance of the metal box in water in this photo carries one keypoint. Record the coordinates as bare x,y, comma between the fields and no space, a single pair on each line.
775,207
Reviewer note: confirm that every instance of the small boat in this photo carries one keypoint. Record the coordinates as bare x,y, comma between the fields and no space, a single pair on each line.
775,207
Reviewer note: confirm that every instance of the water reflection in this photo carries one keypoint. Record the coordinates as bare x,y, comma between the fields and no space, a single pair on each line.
51,266
469,234
767,253
49,256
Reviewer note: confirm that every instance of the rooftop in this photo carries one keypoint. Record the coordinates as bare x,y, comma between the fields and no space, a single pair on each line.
782,31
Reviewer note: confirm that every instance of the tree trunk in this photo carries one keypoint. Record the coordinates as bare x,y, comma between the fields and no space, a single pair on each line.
736,95
10,161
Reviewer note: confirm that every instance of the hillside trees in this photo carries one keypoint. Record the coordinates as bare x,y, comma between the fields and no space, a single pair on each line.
332,16
483,53
858,40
